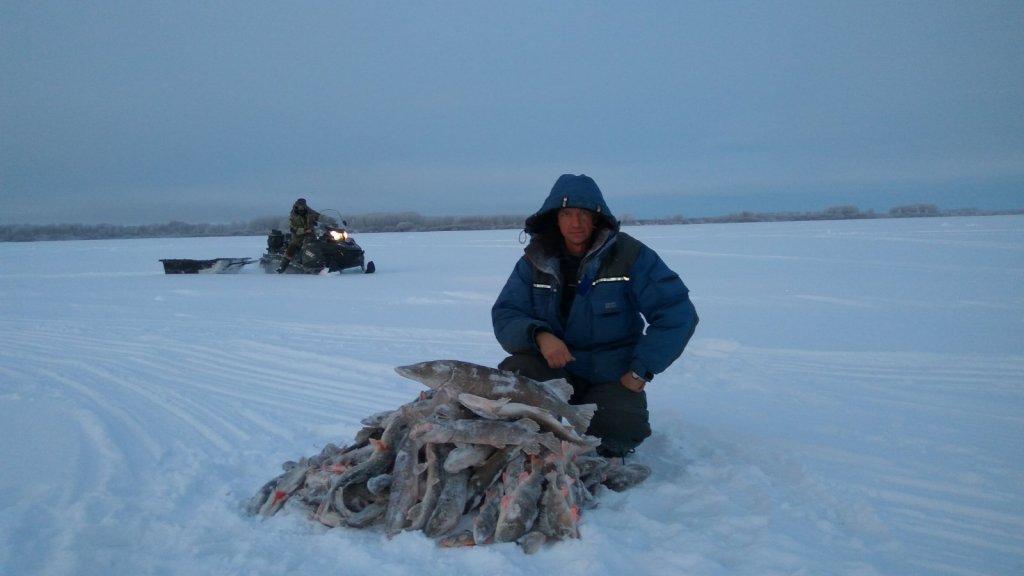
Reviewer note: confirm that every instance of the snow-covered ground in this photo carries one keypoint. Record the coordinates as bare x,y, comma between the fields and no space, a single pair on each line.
852,403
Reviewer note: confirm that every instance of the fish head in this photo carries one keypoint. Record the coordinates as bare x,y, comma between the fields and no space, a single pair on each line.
433,373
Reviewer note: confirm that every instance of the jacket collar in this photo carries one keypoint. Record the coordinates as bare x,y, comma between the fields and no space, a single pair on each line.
546,261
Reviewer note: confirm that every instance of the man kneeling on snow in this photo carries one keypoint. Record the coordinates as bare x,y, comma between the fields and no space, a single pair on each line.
576,306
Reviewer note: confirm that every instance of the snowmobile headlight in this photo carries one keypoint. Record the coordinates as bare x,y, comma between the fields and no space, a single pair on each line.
339,235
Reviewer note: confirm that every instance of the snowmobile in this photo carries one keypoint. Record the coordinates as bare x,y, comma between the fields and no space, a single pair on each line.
331,249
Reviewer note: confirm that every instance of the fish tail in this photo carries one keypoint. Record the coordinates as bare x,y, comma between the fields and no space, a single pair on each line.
551,443
584,414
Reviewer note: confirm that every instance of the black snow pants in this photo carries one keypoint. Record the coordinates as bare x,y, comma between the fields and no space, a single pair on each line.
622,421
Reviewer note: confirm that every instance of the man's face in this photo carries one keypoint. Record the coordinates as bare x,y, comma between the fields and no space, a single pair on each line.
577,226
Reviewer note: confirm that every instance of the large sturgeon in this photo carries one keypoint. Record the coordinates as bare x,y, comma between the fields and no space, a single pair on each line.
457,377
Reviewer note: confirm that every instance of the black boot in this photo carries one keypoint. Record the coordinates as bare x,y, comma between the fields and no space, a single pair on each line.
284,265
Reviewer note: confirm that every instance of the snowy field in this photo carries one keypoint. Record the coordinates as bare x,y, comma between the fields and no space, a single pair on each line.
852,403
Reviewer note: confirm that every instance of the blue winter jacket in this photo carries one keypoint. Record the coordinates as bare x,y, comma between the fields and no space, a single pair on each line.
630,311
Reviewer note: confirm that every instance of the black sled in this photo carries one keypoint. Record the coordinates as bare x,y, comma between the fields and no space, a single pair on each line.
211,266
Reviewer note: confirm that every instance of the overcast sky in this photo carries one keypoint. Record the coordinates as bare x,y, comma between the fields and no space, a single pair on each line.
149,111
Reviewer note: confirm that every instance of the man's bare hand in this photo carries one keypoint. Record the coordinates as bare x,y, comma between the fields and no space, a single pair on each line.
554,350
632,384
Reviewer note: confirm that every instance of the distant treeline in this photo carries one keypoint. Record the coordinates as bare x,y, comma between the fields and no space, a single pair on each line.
844,212
414,222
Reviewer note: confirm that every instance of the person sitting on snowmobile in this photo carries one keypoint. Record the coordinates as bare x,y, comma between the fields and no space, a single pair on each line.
301,223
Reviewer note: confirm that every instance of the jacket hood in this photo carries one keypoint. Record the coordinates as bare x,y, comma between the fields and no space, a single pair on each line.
571,191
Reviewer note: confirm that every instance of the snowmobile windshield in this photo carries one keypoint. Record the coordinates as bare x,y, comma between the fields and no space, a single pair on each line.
331,218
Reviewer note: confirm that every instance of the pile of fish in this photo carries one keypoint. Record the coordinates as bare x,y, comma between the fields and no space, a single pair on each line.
483,456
